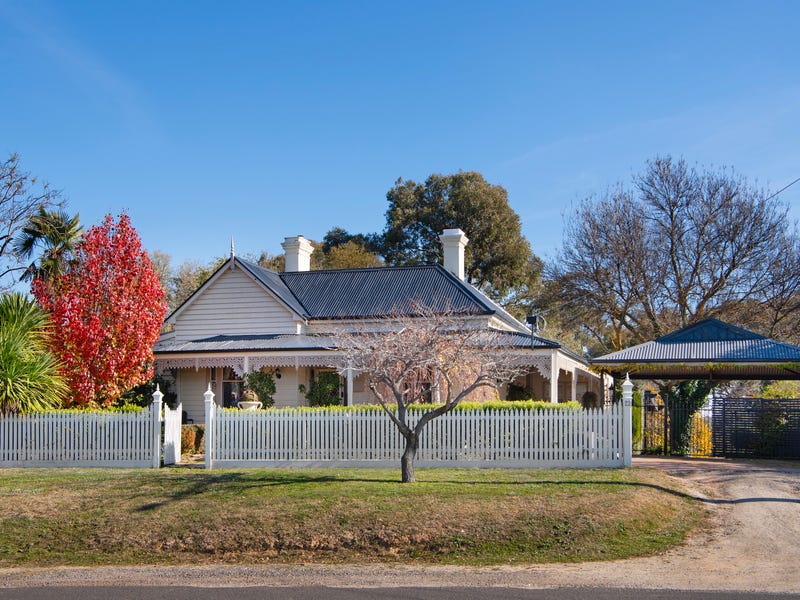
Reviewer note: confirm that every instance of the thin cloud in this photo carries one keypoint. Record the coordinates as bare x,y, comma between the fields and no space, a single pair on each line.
82,65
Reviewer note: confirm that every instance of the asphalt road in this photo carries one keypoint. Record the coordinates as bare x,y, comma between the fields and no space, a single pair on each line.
411,593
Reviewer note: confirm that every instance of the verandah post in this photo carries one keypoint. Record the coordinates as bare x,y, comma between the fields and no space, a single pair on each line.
155,415
627,422
209,434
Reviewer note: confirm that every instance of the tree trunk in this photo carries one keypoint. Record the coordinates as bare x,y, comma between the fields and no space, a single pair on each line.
407,460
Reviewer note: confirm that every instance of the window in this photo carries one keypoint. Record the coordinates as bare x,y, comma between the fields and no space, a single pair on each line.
231,386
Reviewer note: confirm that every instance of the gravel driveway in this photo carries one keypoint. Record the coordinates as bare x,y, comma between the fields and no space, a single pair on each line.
754,544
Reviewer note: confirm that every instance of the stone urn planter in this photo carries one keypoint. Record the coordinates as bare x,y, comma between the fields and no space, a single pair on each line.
250,401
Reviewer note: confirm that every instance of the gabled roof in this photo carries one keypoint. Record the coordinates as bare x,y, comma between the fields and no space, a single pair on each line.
355,294
375,292
706,348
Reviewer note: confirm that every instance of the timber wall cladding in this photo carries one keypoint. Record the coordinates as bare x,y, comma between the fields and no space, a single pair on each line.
234,304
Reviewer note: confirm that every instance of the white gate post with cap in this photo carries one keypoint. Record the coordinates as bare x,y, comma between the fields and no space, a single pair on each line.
627,422
209,403
155,409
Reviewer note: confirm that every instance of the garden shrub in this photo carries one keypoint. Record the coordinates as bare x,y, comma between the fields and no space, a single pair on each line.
192,438
637,416
322,390
518,392
263,384
497,405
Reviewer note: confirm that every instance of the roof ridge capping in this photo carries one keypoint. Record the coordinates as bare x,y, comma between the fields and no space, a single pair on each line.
381,268
709,330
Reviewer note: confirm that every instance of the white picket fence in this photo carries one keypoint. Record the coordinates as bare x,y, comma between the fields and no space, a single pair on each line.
478,438
62,438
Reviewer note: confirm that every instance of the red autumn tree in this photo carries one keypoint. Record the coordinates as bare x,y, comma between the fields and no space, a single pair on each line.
107,310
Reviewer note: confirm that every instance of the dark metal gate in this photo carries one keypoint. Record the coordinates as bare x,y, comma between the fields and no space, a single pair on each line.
673,429
756,427
726,427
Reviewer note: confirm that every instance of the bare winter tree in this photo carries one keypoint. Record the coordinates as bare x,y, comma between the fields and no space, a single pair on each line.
436,357
21,197
678,246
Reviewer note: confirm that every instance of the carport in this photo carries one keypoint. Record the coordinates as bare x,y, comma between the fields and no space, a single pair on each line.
713,350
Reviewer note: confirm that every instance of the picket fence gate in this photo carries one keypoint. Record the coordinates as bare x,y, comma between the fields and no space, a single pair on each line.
66,438
468,438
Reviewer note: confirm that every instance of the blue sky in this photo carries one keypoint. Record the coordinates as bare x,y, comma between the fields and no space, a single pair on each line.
259,120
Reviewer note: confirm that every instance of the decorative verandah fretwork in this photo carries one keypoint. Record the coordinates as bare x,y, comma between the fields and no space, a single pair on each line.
547,363
242,364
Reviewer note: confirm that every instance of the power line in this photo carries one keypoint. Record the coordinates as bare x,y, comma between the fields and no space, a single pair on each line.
783,189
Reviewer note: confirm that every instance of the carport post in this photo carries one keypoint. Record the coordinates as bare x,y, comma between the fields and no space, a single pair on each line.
627,422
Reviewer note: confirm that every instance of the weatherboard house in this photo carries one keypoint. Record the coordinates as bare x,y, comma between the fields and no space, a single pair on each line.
246,318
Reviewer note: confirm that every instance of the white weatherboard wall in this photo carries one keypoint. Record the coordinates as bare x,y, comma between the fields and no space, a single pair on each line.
191,385
233,304
286,388
478,438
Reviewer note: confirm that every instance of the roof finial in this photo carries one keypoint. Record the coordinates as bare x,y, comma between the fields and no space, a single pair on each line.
233,251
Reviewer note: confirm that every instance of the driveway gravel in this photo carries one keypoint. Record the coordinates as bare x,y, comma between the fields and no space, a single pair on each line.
753,544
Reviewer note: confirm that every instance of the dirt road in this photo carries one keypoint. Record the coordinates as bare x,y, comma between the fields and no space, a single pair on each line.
753,545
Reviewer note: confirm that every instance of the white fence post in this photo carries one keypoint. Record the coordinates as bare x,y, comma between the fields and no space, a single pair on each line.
155,408
627,422
209,403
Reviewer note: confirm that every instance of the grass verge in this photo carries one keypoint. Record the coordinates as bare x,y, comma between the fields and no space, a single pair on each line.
475,517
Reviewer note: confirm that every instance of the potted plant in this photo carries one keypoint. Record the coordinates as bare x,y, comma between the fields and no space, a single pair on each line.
259,386
250,400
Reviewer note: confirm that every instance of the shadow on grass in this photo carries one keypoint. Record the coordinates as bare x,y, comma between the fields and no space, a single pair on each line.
639,484
243,480
247,480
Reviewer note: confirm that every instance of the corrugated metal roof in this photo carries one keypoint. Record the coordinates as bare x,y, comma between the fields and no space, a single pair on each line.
273,282
238,343
520,340
372,292
709,340
274,342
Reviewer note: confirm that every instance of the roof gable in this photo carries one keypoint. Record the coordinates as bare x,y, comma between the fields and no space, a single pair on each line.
707,341
266,278
709,330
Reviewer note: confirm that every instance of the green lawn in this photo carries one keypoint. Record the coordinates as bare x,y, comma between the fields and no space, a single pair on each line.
180,515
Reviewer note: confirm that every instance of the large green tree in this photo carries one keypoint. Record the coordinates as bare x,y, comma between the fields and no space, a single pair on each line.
498,257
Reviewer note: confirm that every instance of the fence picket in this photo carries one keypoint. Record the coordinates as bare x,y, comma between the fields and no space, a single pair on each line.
76,439
516,438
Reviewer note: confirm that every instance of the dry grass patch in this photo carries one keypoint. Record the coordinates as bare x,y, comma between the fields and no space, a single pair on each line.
448,516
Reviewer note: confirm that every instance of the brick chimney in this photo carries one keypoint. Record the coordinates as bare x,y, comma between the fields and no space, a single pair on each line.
298,251
453,243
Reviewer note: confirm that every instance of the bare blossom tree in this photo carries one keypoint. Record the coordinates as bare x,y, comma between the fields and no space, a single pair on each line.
442,358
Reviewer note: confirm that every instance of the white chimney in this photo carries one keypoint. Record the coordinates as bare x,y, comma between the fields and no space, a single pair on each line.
298,251
453,242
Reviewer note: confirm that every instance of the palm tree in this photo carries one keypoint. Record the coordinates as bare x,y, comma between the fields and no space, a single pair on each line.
56,233
29,378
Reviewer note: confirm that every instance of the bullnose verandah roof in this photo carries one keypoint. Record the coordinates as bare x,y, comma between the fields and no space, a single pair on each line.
708,349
